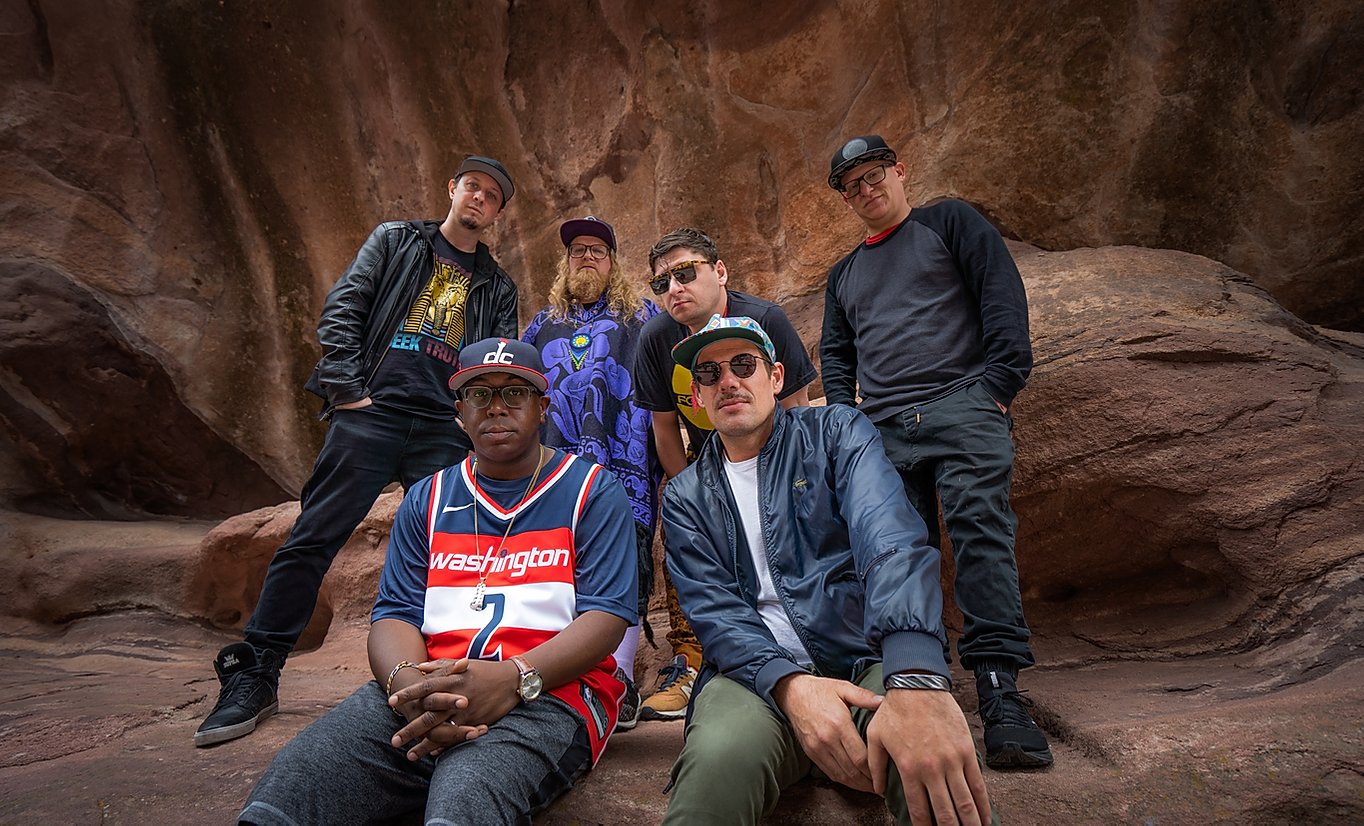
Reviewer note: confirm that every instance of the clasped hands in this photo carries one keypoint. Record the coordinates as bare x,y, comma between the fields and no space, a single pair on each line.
922,734
454,702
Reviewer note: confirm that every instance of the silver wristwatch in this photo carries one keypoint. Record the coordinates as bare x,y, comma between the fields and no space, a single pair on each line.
531,683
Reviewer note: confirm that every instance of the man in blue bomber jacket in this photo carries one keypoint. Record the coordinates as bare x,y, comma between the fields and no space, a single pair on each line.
809,580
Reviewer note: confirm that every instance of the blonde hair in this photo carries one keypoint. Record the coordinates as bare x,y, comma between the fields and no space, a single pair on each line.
621,298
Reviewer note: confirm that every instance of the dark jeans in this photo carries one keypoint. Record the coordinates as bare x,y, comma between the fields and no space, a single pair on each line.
958,449
365,450
342,769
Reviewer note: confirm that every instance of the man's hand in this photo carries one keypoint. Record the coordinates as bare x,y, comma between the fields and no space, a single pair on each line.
356,405
818,708
926,736
439,738
469,692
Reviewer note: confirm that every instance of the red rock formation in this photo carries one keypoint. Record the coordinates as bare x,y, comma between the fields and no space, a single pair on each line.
1190,461
1188,485
1190,467
190,179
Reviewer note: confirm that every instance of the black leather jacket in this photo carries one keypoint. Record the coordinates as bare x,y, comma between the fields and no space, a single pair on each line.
370,300
849,556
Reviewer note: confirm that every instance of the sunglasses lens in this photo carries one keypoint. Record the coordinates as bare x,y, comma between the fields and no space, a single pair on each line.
743,366
660,285
706,373
686,273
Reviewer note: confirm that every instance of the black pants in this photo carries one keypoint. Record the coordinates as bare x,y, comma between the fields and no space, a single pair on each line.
365,450
957,449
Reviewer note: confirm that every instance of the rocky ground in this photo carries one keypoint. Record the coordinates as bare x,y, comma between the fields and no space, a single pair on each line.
97,716
1189,477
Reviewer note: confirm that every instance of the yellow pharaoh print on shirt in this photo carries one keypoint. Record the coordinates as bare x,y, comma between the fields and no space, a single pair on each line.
439,310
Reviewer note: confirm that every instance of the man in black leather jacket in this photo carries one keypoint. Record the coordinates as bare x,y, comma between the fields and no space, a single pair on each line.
809,580
391,331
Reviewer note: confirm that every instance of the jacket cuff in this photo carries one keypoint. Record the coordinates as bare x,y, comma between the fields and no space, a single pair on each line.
916,650
348,394
770,674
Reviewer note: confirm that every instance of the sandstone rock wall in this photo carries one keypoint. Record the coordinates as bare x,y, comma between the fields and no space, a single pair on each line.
181,182
1190,465
1189,476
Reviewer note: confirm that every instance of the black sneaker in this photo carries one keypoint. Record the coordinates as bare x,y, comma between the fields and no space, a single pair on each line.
629,704
250,682
1012,738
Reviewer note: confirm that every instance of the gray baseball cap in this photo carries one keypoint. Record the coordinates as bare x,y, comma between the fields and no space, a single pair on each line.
493,169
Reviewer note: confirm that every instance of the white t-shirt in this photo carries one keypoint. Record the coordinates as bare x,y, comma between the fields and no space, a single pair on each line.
743,482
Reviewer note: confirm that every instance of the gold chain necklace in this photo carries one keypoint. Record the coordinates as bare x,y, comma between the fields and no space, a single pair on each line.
482,586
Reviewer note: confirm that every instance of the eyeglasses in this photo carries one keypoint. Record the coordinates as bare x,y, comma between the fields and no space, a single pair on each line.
742,366
685,273
872,177
596,251
514,396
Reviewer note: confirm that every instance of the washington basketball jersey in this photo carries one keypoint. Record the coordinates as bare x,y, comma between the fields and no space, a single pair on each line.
531,578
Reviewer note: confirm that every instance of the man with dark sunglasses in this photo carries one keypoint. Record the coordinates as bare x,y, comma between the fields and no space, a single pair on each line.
691,283
390,332
928,319
810,581
508,581
588,337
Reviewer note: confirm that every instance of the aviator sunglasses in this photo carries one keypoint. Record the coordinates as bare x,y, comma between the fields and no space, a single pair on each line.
685,273
742,366
513,396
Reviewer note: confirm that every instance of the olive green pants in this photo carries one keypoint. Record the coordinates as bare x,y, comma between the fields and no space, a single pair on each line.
739,755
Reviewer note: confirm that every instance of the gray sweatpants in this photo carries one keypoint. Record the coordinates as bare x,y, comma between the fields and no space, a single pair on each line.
342,768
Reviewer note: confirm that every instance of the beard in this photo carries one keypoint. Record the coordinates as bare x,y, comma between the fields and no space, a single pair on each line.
585,285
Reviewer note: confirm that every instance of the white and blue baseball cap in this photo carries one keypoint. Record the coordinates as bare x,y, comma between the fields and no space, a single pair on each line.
722,327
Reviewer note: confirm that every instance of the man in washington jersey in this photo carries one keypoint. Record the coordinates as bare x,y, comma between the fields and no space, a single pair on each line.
509,580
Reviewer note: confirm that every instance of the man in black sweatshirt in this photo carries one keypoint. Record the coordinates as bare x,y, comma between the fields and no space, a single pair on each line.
928,319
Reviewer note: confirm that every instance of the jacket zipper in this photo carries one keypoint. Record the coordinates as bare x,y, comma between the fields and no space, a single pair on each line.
384,348
781,592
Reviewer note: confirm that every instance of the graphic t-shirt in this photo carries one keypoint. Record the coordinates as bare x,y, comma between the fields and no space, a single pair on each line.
592,409
414,374
662,386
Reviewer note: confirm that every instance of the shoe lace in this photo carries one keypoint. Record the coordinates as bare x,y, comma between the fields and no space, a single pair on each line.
238,689
1007,707
671,674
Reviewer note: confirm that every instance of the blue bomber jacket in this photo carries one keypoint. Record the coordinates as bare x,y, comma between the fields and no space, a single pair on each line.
849,556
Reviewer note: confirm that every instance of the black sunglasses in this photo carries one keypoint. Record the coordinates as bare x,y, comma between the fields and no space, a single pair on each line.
742,366
685,273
